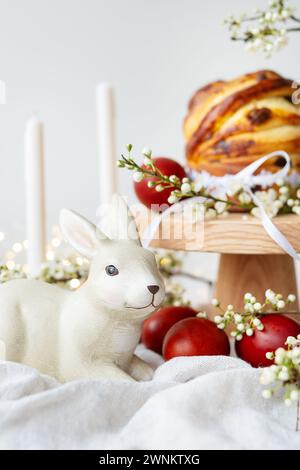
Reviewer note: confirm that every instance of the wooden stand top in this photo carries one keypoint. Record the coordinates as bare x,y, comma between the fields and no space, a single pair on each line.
234,233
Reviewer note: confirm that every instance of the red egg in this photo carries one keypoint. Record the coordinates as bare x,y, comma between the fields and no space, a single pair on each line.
277,328
195,337
149,196
156,327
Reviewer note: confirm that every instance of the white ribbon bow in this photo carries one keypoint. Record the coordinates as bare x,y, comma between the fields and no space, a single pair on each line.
246,179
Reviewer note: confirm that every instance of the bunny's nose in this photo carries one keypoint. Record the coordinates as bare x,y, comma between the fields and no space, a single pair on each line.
153,289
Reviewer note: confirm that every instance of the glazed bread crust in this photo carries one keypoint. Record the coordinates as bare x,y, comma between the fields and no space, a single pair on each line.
232,123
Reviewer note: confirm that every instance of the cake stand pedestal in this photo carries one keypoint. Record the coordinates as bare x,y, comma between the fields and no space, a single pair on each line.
250,260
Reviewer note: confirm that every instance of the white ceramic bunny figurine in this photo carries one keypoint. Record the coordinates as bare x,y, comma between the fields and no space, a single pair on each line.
92,332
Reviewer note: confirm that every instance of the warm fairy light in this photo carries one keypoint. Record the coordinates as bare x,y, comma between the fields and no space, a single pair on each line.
2,236
10,264
9,255
50,255
17,247
74,283
55,242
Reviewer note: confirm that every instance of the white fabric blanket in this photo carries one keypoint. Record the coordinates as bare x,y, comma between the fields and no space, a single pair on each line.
192,403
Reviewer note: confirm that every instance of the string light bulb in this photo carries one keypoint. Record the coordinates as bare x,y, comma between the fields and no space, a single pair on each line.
17,247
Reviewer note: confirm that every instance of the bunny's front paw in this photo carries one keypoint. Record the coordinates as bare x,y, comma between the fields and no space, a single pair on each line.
140,370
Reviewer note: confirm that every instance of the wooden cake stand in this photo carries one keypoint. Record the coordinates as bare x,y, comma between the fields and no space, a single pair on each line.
250,260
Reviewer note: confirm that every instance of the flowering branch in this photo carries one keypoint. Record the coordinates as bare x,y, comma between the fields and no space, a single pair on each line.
245,322
182,188
271,28
282,198
284,374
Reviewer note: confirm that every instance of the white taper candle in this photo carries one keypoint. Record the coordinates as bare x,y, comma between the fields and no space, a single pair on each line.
107,157
35,195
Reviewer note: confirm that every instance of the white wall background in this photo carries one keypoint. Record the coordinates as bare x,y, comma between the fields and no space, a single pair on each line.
154,52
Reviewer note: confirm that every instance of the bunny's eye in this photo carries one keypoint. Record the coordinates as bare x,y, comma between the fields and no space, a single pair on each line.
111,270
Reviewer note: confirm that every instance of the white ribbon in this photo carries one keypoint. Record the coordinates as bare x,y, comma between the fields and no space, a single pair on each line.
246,179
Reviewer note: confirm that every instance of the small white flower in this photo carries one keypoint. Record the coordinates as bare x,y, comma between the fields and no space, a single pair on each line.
249,308
260,327
269,355
240,327
253,299
291,298
266,394
245,198
285,14
283,375
138,176
280,182
298,193
295,355
290,341
280,354
220,207
173,178
210,213
270,295
172,199
283,190
257,306
290,202
296,210
283,198
185,188
280,304
268,16
151,184
294,395
278,204
248,296
215,302
256,322
269,47
268,376
221,326
218,319
249,332
201,315
233,334
288,401
229,307
159,188
185,180
239,337
238,318
147,152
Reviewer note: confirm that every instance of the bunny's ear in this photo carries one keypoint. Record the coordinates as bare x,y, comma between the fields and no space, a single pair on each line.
80,233
119,223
